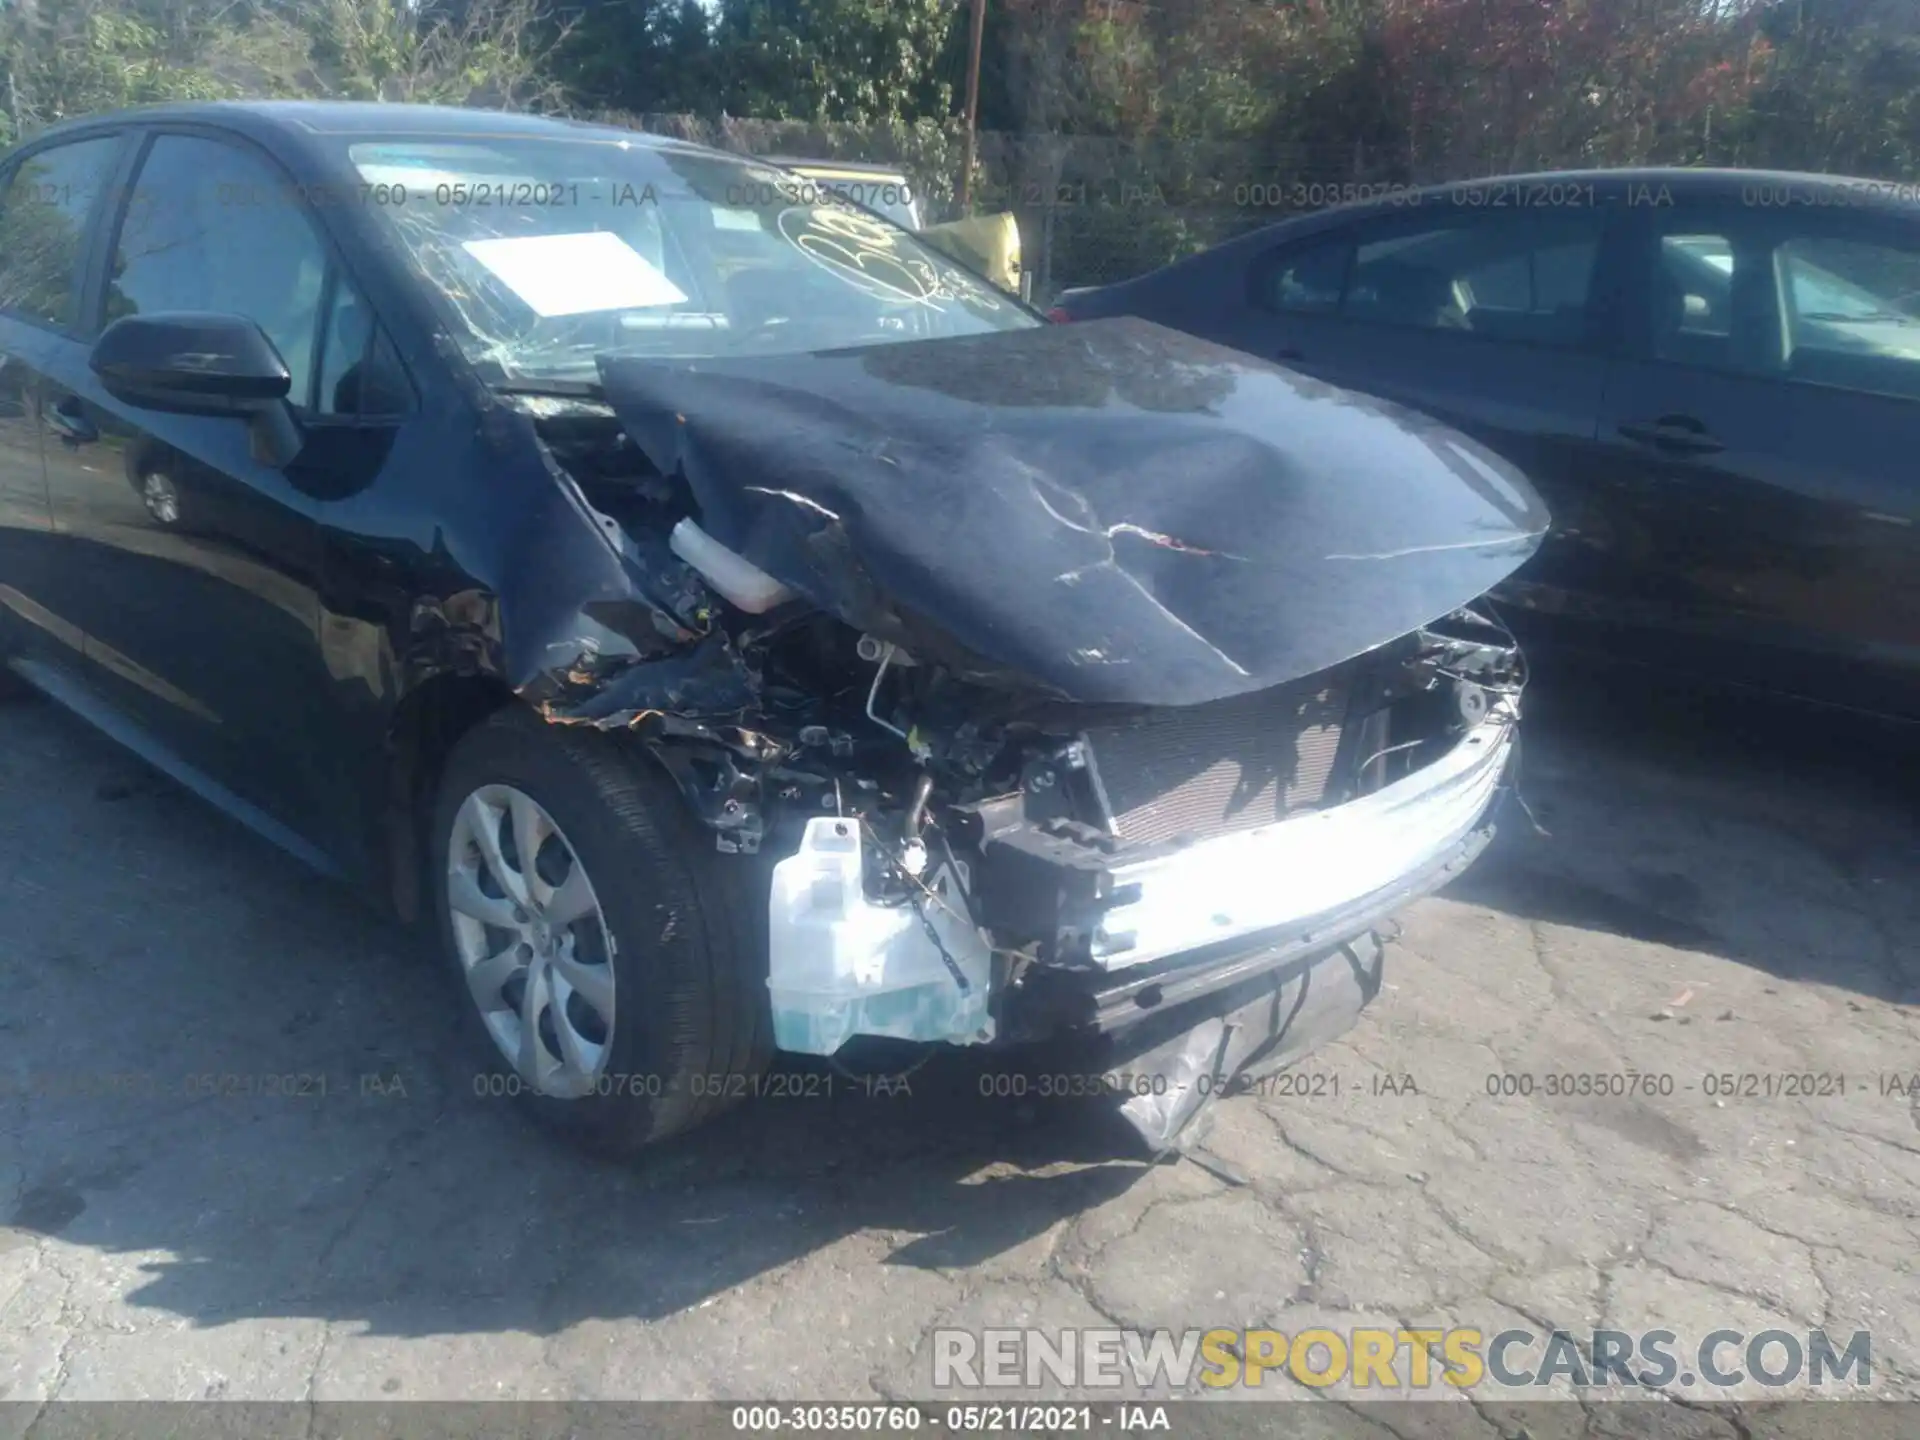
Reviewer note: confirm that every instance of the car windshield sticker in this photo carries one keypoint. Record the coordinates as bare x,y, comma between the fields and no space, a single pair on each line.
865,253
575,274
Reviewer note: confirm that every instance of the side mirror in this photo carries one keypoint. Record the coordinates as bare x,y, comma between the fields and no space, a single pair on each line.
192,363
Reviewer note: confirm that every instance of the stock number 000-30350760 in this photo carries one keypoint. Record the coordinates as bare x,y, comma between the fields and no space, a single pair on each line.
954,1419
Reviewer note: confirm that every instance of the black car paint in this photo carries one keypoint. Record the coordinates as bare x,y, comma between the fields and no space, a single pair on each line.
1107,513
307,648
1781,552
294,654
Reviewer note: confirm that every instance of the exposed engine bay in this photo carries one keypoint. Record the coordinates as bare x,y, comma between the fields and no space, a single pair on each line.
974,835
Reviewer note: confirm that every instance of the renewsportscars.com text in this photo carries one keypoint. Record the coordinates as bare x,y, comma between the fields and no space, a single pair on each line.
1393,1359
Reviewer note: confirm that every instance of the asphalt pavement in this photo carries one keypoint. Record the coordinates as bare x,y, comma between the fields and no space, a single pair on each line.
243,1154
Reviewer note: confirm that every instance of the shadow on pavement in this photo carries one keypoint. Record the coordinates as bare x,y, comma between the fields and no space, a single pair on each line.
153,941
1775,835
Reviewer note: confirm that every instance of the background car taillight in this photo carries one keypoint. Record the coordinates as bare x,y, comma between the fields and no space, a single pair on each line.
1058,316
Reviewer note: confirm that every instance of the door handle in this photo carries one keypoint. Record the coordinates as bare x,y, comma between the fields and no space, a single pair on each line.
73,423
1677,434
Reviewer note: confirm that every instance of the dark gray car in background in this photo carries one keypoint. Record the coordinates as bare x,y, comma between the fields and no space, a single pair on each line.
1712,377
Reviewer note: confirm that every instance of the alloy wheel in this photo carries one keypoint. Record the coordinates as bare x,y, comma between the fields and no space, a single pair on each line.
532,940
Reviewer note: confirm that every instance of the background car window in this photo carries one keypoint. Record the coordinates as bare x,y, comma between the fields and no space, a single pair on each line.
1310,279
1852,313
1522,277
210,226
1545,279
43,221
1693,300
1407,280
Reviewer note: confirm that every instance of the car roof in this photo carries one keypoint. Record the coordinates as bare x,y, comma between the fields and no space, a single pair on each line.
1699,180
308,120
1692,183
1696,182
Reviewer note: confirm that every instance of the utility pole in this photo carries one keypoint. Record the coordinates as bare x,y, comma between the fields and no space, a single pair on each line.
973,103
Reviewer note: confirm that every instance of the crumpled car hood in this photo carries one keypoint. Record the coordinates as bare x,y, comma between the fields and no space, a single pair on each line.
1106,512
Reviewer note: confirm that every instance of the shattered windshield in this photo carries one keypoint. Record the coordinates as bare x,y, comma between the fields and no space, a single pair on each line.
551,253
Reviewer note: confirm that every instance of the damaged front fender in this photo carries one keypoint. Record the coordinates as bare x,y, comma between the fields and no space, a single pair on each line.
971,583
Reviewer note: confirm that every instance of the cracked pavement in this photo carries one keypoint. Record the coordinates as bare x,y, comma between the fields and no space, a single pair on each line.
1717,892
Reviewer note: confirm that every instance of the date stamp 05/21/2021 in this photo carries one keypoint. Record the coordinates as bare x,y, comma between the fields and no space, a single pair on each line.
832,1081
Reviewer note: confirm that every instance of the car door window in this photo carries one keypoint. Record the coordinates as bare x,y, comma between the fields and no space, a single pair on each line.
1309,279
1692,299
1778,297
212,226
359,373
43,223
1852,313
1520,277
1407,280
1524,277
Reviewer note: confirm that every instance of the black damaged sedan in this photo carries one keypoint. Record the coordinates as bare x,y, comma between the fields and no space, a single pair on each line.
724,622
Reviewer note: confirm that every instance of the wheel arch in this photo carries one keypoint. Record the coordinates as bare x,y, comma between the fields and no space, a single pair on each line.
428,722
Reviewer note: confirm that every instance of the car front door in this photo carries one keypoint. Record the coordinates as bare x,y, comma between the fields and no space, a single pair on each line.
47,197
1490,318
1756,449
195,561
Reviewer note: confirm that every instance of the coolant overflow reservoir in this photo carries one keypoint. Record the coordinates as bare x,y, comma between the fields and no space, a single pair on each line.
741,582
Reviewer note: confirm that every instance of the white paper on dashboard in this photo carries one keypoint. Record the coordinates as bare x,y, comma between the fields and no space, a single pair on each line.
574,274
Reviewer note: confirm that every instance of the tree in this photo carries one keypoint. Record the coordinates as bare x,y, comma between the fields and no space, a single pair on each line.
1840,89
81,56
495,53
1487,86
860,61
644,56
87,55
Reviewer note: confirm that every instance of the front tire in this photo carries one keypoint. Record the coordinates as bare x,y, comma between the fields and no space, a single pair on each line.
611,963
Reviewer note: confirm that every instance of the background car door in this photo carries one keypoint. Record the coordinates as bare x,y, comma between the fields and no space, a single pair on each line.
1493,320
1757,450
46,198
195,563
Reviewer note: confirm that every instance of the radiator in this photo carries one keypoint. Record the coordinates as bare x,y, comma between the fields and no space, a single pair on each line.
1234,764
